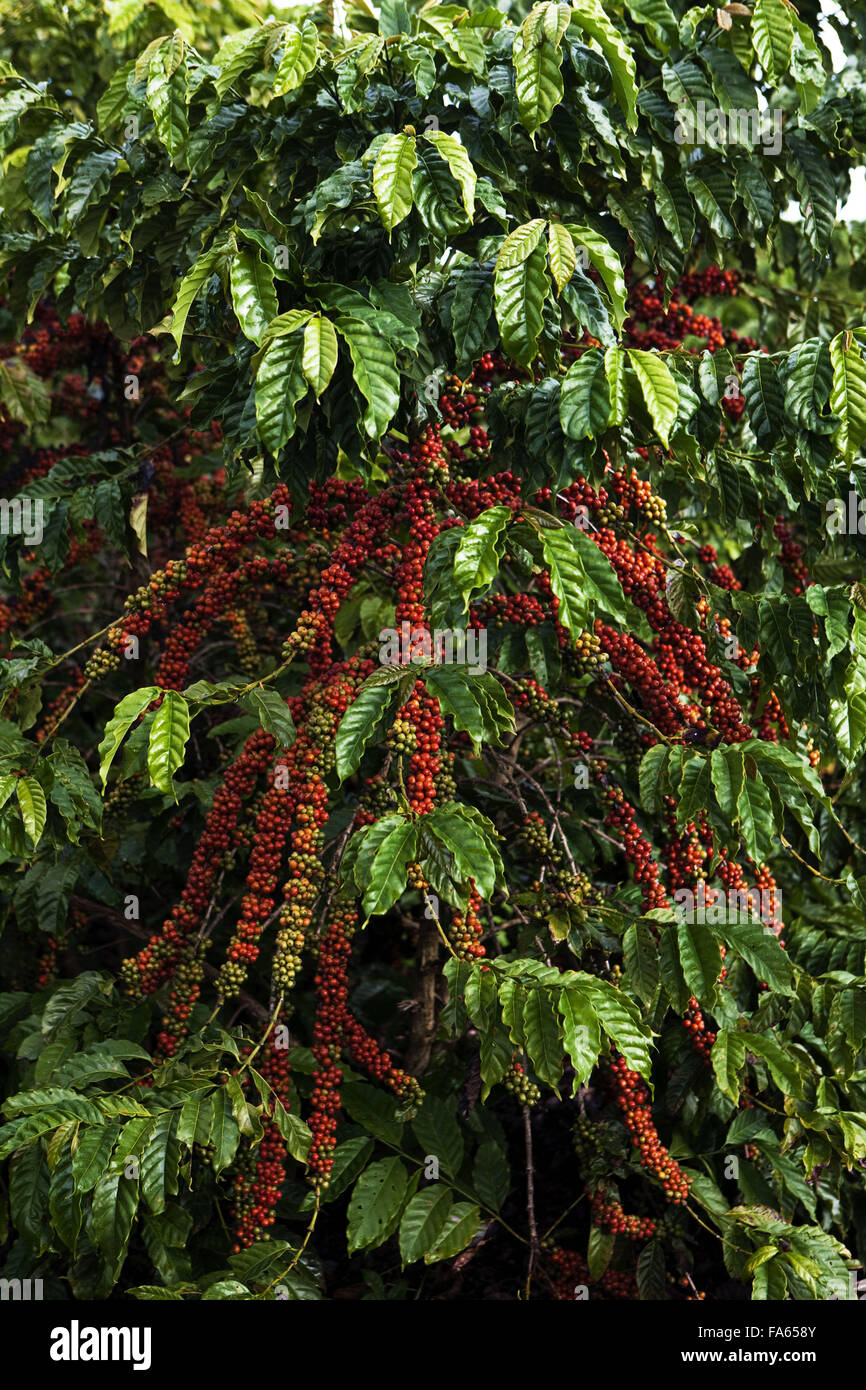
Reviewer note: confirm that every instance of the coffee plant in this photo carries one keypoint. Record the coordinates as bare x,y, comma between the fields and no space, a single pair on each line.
433,679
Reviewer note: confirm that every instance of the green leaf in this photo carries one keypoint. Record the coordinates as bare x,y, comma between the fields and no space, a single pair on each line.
194,1121
458,161
475,853
816,187
491,1175
711,185
567,577
701,959
848,396
115,1201
651,1274
671,969
461,1227
320,353
64,1202
584,402
375,370
299,58
91,1155
388,870
760,950
848,724
376,1205
167,94
659,390
438,1133
125,714
190,287
159,1163
562,253
471,308
727,773
764,400
519,245
459,697
652,777
237,54
169,734
693,792
520,290
280,384
621,1020
254,294
438,196
226,1288
362,721
676,210
281,327
29,1194
297,1135
782,1067
601,579
581,1032
496,1055
607,263
225,1135
24,394
375,1112
34,811
756,819
538,80
392,179
599,1251
423,1222
477,557
8,784
589,16
808,386
115,100
640,955
543,1037
729,1057
272,712
773,38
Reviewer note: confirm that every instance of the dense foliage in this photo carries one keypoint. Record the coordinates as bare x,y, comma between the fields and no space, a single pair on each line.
434,651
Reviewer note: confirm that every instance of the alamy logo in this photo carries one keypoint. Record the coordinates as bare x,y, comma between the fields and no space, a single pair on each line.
20,1290
710,906
846,518
76,1343
710,125
443,646
22,516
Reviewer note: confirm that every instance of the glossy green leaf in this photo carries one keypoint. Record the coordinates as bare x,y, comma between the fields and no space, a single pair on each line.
169,735
392,179
377,1203
477,557
254,295
125,714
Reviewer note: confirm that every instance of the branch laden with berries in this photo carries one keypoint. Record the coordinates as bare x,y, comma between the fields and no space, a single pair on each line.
434,658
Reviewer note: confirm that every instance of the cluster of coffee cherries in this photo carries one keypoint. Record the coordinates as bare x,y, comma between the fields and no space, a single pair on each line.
568,1275
259,1182
652,325
465,929
519,1085
702,1038
632,1098
608,1215
621,816
588,655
